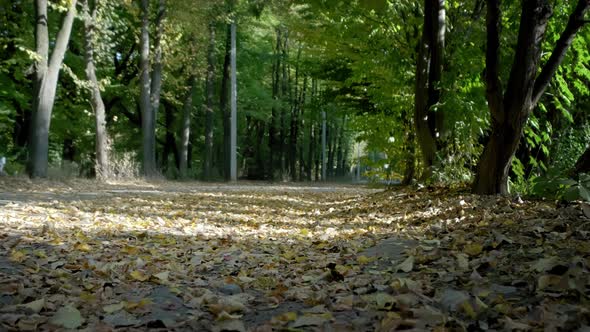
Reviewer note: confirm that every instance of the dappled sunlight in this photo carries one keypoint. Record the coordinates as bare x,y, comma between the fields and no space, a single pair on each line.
122,256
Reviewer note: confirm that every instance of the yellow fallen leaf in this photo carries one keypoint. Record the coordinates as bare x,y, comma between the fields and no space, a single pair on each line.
18,256
287,316
473,249
304,232
139,275
109,309
362,259
82,247
162,276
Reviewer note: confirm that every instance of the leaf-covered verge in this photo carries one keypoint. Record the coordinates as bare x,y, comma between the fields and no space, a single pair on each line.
180,256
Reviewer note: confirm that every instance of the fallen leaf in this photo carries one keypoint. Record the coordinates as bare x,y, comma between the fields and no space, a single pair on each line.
68,317
407,265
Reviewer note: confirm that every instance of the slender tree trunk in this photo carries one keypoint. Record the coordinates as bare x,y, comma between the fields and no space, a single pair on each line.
208,158
233,140
46,78
284,94
272,129
185,129
102,168
156,75
224,104
147,114
511,110
410,152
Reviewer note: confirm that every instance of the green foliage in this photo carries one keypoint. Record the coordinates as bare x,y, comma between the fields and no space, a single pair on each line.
555,185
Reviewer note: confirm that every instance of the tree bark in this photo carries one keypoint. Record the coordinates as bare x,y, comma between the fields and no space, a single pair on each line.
102,168
185,129
156,75
208,158
46,77
272,128
147,114
511,110
583,163
224,104
429,65
410,152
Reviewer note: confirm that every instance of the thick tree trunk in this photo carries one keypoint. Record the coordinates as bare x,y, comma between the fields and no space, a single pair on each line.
510,111
102,168
46,77
427,120
185,129
147,114
224,105
208,158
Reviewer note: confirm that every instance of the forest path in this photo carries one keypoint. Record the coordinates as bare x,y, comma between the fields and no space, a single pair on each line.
190,256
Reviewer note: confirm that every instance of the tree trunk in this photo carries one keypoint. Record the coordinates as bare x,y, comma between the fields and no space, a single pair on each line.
583,163
511,110
410,152
284,95
233,140
156,75
224,104
272,129
102,168
46,77
208,158
185,129
147,114
427,120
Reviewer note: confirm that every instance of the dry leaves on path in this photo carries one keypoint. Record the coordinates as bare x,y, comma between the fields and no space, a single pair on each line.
188,257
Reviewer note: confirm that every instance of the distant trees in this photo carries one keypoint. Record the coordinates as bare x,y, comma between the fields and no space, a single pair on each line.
406,83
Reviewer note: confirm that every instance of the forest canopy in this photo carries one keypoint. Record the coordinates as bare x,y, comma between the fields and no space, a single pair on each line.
491,93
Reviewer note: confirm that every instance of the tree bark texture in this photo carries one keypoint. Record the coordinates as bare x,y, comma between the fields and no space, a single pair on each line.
185,129
429,65
510,110
147,115
224,104
210,91
102,167
46,77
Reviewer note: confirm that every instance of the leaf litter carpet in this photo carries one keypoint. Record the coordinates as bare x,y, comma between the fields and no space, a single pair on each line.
201,257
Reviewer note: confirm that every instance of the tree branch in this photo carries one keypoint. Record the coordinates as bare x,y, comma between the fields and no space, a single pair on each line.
575,23
63,37
492,73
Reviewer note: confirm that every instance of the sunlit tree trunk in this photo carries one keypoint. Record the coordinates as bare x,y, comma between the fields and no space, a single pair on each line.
510,109
147,114
46,76
156,77
210,91
185,129
102,167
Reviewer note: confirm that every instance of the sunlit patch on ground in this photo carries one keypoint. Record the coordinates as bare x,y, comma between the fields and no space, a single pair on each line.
248,257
